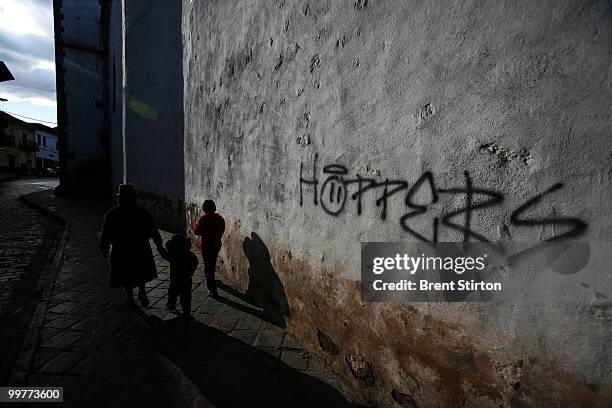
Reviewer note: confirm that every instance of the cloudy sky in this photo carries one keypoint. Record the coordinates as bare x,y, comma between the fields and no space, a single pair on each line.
26,47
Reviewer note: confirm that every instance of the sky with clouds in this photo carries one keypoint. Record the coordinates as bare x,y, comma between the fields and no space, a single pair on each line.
27,49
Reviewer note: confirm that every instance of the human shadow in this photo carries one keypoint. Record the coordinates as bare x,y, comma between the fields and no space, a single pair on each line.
245,303
265,288
183,362
227,371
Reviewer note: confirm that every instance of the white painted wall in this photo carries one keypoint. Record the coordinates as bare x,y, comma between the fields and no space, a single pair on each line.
517,94
145,95
48,150
115,91
154,97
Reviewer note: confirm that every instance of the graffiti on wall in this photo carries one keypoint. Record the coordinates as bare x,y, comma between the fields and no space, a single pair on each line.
337,188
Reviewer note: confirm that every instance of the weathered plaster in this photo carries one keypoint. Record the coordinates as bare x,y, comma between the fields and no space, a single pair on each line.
510,98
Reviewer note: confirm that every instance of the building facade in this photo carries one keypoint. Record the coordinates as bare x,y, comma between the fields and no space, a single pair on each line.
80,69
18,145
470,121
47,156
144,109
120,105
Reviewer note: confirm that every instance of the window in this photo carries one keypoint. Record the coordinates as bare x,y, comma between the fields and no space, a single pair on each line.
44,141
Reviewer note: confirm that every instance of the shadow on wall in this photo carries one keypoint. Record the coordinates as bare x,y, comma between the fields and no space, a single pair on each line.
265,288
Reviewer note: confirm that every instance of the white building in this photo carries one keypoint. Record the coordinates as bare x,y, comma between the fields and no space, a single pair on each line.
47,156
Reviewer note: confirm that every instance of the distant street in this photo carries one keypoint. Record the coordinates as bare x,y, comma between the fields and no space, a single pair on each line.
26,247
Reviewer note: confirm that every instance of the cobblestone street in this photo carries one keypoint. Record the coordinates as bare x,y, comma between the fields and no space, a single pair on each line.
28,241
105,354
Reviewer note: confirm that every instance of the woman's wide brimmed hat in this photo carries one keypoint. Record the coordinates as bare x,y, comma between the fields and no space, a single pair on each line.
126,190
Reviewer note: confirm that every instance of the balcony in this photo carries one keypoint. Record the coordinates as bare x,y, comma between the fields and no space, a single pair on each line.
28,145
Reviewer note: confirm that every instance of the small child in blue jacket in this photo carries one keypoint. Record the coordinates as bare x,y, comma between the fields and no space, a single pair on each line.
183,264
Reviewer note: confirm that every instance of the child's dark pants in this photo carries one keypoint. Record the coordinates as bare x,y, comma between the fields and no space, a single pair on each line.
210,264
180,287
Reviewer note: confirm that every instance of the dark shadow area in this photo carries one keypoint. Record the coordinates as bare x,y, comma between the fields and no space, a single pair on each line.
239,374
265,288
174,362
15,319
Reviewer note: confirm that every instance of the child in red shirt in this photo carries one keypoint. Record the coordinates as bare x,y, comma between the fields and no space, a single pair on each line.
210,228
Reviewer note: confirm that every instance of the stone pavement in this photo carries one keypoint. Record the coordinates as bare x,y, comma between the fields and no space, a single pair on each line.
24,229
106,355
27,246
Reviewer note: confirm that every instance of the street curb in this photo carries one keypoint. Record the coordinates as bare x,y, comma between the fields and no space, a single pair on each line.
52,213
28,347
